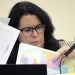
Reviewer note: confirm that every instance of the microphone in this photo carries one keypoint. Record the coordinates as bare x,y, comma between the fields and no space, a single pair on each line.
70,50
66,54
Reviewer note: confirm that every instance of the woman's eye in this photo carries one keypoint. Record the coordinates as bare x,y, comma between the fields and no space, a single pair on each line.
40,27
27,30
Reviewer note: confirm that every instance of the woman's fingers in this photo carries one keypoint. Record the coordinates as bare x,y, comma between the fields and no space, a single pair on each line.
60,52
63,50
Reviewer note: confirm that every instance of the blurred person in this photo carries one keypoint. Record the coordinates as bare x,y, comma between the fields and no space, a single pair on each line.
35,27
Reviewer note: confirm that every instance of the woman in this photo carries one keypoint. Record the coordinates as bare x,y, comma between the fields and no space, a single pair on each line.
35,26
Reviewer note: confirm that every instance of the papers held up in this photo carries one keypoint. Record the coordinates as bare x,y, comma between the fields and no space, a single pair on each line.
8,36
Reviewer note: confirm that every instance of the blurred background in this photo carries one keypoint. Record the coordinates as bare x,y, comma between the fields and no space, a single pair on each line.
62,13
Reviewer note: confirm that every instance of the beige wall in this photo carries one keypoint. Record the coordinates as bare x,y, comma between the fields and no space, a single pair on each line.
62,13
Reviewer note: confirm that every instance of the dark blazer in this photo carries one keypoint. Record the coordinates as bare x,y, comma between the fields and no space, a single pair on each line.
13,56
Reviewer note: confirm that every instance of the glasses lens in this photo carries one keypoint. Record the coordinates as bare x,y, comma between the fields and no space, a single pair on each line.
40,28
27,30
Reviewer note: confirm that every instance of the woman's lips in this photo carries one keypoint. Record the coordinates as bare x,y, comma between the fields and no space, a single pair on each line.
35,43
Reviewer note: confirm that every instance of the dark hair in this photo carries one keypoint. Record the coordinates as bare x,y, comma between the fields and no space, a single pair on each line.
23,8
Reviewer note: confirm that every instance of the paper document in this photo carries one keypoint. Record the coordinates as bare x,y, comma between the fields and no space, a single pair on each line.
29,54
8,36
5,20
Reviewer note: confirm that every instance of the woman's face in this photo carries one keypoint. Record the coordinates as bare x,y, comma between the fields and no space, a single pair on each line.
32,30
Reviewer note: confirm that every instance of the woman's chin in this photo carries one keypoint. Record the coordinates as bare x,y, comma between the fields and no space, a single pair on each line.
38,45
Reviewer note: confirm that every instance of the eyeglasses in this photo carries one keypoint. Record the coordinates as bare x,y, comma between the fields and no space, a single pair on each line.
29,30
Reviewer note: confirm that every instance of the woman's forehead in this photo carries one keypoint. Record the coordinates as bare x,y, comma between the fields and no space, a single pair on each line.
29,20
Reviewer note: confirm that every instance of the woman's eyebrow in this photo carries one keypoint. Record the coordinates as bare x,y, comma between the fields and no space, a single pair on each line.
32,26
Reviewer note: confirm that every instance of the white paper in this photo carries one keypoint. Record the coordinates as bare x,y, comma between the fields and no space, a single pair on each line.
8,36
29,54
5,20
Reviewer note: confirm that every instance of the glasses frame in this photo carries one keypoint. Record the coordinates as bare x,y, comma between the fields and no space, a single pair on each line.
35,28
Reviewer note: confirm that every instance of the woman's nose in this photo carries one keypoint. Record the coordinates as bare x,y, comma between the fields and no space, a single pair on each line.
34,33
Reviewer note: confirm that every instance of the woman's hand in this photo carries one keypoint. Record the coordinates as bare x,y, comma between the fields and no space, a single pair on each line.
60,53
55,58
